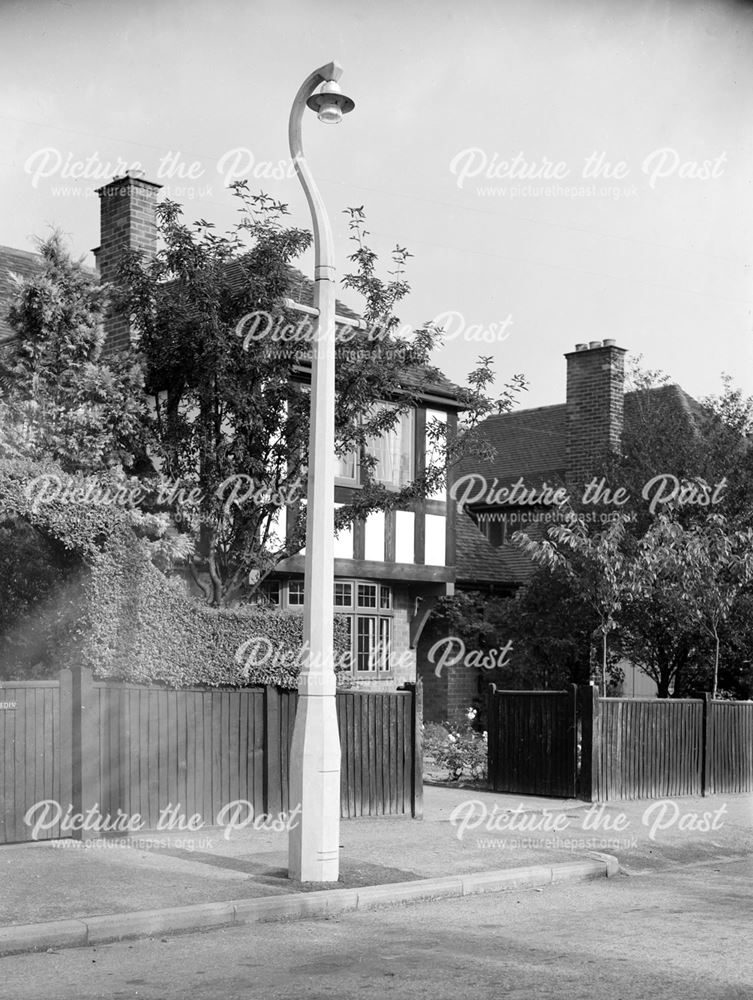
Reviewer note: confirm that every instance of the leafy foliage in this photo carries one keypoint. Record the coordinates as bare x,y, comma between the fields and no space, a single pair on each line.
652,618
92,592
702,570
60,399
239,405
596,564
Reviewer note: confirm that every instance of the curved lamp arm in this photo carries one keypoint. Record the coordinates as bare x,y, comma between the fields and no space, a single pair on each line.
323,245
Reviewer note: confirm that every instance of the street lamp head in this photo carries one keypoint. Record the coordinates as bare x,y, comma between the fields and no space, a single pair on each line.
330,103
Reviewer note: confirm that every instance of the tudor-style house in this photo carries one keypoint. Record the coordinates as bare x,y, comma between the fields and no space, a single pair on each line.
562,445
389,568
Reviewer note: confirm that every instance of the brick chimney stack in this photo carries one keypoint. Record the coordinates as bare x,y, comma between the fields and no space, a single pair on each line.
595,397
127,222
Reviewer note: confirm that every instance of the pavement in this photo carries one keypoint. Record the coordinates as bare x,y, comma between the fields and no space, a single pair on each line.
59,893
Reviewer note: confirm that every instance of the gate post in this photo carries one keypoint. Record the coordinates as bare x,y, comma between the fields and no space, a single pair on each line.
589,779
573,740
491,736
417,714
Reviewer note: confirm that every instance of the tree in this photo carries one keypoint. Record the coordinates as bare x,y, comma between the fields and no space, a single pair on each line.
226,365
699,446
70,421
61,400
705,569
657,635
601,571
729,447
552,629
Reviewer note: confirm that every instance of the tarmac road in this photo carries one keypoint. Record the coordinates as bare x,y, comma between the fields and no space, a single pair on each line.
681,932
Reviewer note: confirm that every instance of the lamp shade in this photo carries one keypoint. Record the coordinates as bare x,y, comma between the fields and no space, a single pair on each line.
330,103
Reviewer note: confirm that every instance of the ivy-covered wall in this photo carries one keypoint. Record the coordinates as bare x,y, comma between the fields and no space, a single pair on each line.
99,600
144,627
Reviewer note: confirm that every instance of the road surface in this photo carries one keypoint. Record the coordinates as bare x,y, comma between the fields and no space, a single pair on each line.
678,933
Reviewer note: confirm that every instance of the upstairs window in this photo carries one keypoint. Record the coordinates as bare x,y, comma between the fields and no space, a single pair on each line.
394,452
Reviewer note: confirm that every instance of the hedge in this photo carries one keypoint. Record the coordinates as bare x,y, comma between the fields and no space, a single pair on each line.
145,627
120,615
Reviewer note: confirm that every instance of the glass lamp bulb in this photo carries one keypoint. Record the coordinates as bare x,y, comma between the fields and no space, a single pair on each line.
330,113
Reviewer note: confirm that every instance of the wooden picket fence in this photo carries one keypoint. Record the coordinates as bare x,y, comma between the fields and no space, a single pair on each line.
138,749
630,748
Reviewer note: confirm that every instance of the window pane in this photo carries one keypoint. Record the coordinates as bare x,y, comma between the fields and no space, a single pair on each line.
367,595
343,595
393,452
295,593
366,633
383,652
346,466
385,598
346,659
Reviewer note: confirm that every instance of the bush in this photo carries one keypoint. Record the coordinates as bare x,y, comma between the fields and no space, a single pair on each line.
463,750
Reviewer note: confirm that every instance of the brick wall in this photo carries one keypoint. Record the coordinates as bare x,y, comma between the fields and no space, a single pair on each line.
435,688
595,393
462,690
127,222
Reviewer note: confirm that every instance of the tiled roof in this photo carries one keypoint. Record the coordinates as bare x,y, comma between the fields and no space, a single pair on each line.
529,443
668,401
532,444
477,562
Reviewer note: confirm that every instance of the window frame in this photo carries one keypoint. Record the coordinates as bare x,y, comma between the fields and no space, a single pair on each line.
358,612
359,453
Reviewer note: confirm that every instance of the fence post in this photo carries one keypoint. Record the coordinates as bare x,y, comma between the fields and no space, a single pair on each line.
705,748
85,754
417,798
491,733
590,748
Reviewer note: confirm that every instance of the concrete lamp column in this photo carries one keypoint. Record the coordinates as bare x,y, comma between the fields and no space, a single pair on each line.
314,843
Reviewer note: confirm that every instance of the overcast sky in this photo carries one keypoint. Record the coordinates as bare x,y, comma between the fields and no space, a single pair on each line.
653,249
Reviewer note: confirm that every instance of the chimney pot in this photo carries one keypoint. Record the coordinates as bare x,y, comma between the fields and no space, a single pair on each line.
135,174
581,347
610,343
593,344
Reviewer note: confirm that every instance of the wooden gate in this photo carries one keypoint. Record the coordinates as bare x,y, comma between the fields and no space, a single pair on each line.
533,741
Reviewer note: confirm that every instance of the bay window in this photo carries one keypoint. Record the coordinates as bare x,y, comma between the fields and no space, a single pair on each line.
367,610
